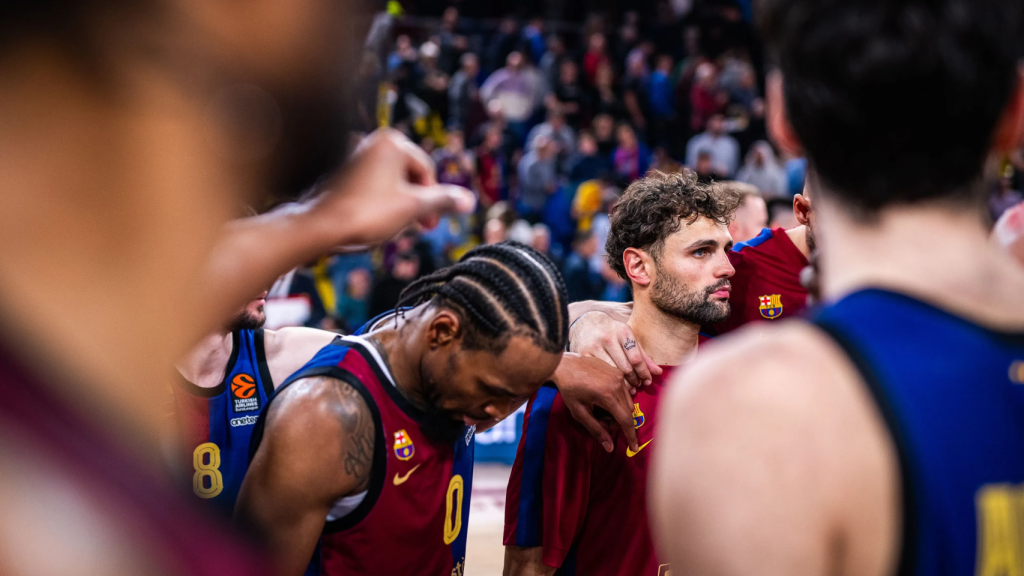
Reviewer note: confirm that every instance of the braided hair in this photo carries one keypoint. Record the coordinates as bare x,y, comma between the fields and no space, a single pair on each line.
499,291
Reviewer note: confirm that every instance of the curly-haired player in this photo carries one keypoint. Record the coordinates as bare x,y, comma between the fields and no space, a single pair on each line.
368,449
669,239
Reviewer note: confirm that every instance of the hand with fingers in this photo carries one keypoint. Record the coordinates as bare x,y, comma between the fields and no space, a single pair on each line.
589,383
598,335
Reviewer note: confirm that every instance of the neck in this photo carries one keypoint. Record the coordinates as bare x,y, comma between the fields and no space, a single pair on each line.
798,236
205,365
667,339
402,355
935,252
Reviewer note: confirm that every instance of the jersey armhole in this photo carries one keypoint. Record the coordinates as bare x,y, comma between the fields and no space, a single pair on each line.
908,540
259,342
378,471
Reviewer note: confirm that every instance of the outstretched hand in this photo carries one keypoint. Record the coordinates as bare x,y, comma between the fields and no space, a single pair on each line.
387,184
589,383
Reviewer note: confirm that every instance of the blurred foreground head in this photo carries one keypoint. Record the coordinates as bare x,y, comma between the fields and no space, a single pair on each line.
131,131
895,102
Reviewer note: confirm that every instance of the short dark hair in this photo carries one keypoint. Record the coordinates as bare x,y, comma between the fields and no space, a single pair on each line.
895,102
499,291
655,206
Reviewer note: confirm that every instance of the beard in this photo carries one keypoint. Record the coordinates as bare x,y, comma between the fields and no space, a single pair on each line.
695,306
246,320
811,244
438,425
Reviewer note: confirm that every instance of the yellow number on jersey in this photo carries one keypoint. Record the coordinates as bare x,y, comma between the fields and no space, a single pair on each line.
453,527
210,469
1000,530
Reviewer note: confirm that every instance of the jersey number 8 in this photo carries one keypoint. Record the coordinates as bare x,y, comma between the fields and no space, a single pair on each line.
453,502
206,461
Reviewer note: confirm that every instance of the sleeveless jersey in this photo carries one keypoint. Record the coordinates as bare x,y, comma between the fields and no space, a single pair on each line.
216,423
414,516
952,395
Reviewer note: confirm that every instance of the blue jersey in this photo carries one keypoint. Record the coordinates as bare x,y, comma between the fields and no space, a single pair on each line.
216,423
952,395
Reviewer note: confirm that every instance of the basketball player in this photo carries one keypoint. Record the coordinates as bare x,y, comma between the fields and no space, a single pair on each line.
368,449
226,380
130,131
886,435
766,286
669,238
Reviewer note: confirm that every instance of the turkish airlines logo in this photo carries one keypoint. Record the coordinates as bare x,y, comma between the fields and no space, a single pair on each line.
243,393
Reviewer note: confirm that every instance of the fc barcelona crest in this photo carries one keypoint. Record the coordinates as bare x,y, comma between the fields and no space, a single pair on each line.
638,416
771,306
403,446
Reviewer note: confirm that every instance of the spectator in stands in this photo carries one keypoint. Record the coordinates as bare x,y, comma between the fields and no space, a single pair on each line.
762,170
595,57
452,44
432,86
354,300
520,90
541,242
455,164
387,289
634,93
631,157
555,128
724,150
533,39
745,91
464,94
580,282
490,167
705,169
569,96
551,63
663,162
661,98
604,135
586,163
494,231
752,215
538,178
502,44
705,98
606,98
615,288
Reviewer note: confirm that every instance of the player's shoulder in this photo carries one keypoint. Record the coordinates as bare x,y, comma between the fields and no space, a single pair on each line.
547,406
295,340
755,245
789,372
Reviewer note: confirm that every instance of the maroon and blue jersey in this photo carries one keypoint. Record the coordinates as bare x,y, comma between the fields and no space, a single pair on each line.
586,508
216,423
414,516
952,395
766,285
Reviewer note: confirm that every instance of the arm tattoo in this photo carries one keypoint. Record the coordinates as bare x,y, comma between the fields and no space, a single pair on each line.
630,344
357,423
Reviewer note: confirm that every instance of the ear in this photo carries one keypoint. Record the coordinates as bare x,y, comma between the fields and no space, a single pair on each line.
779,127
636,263
1010,129
802,209
444,329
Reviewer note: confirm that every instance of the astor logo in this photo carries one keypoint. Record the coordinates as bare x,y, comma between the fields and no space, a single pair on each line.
243,393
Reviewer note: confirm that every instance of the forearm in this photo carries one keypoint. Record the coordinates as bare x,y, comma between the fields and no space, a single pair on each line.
525,562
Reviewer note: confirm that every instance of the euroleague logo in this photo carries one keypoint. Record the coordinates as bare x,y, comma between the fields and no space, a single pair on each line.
243,393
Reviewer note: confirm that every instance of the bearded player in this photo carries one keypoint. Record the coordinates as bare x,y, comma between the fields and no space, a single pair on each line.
571,506
886,436
225,381
369,448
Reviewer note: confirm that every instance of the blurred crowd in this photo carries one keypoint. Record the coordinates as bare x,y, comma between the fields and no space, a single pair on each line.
548,121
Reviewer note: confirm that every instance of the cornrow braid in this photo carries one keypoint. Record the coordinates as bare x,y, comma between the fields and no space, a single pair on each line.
499,290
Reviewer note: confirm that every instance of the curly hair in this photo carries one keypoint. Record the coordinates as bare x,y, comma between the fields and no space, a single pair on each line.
655,206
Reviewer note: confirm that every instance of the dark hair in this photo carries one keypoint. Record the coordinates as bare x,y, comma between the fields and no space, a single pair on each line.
654,207
895,101
499,291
